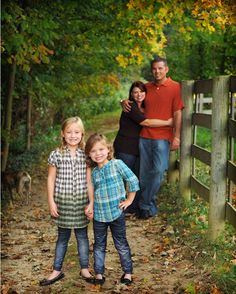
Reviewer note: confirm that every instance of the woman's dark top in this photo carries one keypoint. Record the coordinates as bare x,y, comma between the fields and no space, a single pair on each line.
127,139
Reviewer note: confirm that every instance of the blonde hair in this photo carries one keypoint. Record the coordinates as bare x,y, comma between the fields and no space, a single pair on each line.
92,140
68,122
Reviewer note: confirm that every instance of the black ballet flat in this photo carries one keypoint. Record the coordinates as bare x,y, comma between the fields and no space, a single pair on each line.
99,281
125,281
46,282
89,280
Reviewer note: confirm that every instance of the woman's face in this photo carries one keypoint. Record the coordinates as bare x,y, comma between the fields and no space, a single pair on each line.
138,95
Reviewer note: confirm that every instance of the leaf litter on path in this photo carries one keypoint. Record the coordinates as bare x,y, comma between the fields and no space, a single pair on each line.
161,263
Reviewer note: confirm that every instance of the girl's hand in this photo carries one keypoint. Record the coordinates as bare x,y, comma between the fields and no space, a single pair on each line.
124,204
53,209
89,211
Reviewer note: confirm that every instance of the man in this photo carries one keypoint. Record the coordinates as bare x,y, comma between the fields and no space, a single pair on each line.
163,101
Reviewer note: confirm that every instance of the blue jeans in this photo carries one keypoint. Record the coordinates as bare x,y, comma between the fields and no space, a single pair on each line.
62,244
118,231
154,160
133,162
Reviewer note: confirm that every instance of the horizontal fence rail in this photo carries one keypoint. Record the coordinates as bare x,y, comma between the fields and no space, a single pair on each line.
220,120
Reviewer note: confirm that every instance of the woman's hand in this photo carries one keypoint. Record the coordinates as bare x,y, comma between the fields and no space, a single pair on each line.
170,122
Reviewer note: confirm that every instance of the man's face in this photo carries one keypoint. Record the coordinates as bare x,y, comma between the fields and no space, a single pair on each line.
159,71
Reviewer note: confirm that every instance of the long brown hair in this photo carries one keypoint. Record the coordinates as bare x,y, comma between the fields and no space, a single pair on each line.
137,84
92,140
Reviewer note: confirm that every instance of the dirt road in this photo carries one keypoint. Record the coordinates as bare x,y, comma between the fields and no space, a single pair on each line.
162,263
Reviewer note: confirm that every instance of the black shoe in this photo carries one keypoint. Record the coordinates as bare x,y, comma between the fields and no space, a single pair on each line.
46,282
143,214
125,281
99,281
89,280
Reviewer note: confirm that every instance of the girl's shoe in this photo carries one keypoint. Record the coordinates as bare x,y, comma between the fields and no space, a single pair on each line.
99,281
88,279
125,281
46,282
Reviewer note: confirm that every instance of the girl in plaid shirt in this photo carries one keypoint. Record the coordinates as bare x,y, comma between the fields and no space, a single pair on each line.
110,201
68,197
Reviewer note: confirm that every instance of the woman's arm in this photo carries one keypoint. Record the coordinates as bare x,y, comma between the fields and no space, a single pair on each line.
52,172
157,122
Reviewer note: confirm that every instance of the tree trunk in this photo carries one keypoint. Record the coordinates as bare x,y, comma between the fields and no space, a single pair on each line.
8,116
28,120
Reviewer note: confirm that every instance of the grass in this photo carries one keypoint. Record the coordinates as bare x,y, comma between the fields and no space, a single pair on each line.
190,222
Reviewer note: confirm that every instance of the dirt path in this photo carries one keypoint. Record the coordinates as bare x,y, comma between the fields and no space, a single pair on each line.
162,264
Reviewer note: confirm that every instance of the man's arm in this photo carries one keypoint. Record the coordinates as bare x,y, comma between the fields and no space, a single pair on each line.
177,129
126,105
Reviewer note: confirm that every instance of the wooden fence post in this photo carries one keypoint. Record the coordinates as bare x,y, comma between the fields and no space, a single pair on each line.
173,172
186,140
218,185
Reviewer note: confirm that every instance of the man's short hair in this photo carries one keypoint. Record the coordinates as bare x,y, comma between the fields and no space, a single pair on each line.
159,59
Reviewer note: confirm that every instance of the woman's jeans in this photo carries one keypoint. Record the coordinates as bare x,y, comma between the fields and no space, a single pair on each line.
133,162
154,160
62,244
118,231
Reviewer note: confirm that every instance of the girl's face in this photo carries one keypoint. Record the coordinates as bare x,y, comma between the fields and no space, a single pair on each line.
99,153
138,95
72,135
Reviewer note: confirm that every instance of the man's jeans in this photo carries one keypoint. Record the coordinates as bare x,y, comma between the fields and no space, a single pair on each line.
62,244
118,231
133,162
154,159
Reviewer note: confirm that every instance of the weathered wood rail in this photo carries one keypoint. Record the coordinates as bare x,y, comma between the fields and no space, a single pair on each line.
221,159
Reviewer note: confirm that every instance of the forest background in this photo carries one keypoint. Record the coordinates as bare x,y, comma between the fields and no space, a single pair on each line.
65,58
74,57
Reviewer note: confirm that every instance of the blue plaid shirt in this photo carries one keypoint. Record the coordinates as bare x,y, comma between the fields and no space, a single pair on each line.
109,189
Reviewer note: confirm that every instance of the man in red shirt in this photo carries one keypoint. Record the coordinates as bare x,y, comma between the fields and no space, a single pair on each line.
163,101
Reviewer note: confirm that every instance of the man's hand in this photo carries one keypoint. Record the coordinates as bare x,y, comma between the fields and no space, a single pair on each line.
126,105
175,144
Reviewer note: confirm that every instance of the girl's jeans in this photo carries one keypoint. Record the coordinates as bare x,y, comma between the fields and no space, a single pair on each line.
118,231
62,244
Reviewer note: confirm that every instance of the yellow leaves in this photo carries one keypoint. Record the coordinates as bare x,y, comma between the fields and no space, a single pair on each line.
135,52
122,60
44,50
212,14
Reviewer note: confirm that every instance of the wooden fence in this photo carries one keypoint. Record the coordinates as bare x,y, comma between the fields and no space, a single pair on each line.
221,123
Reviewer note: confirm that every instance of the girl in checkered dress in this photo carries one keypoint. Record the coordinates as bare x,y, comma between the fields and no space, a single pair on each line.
114,186
68,197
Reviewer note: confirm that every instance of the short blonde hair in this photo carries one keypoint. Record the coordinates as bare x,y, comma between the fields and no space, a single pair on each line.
92,140
68,122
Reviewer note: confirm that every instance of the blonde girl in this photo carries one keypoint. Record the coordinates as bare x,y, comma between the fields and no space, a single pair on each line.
68,197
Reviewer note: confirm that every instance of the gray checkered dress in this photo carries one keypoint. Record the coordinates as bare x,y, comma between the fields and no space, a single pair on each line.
70,192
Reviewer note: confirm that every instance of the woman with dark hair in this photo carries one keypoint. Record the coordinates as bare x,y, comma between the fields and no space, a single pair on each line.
126,143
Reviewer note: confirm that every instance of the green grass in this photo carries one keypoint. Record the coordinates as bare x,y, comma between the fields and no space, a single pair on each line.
191,225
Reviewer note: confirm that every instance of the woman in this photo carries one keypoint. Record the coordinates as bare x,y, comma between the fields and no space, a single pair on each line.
126,144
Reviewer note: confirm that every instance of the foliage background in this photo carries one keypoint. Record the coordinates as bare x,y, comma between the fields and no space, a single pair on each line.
79,58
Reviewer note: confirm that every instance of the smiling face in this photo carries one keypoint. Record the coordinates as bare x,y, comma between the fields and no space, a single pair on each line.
159,71
138,95
72,134
99,153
